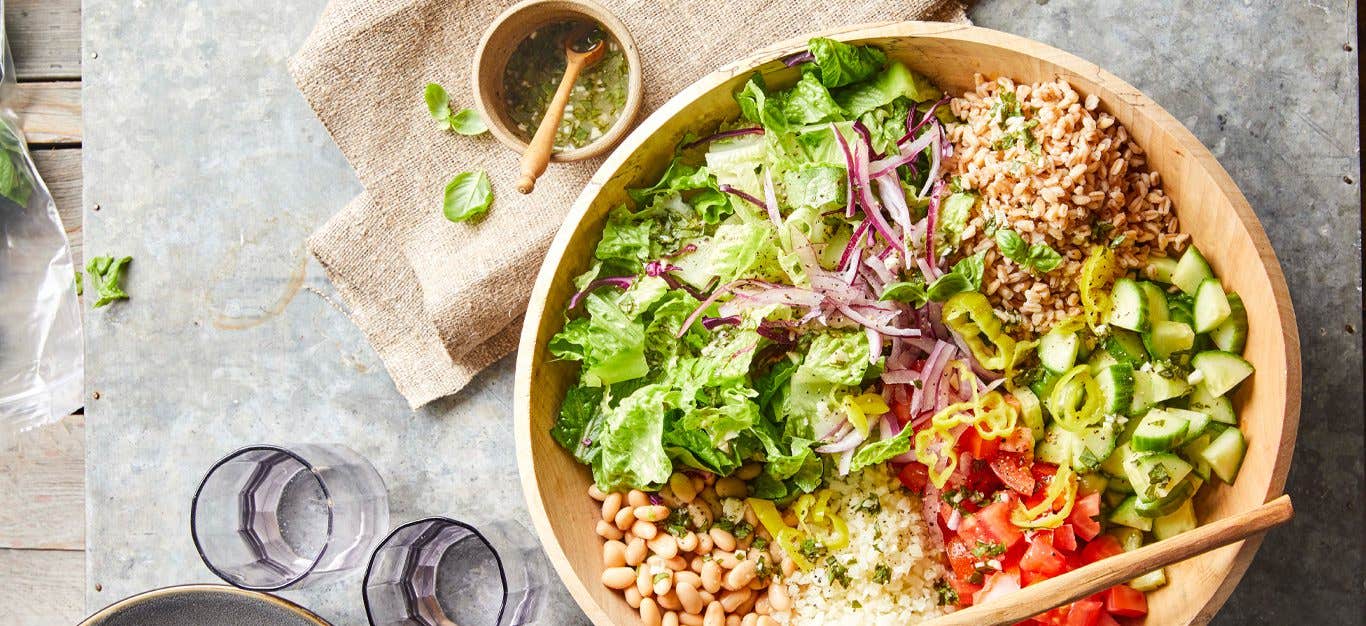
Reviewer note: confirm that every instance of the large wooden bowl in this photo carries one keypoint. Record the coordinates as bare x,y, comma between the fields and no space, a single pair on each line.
1208,204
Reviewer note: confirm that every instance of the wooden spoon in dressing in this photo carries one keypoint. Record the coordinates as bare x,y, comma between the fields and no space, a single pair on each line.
537,153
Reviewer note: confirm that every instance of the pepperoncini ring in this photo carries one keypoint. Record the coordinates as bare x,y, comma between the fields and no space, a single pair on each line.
969,314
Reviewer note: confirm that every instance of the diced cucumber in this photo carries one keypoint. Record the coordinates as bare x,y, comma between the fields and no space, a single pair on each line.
1112,498
1057,446
1165,505
1126,347
1231,335
1031,411
1043,386
1176,522
1157,301
1221,371
1128,305
1126,515
1129,538
1154,476
1211,305
1120,484
1117,387
1167,337
1160,269
1092,482
1191,270
1225,454
1100,359
1058,350
1095,444
1152,581
1159,431
1114,464
1220,408
1150,388
1196,422
1181,308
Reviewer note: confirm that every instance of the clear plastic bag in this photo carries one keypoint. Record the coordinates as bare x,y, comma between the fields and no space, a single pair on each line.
41,362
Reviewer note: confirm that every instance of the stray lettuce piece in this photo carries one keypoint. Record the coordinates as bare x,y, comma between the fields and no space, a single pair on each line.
80,283
841,64
881,450
896,81
1038,257
965,276
107,273
678,177
632,439
610,344
887,124
468,196
576,428
756,105
465,121
815,186
954,212
911,292
809,102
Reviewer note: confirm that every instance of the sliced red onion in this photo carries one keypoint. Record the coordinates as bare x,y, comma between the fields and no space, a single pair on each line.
845,460
715,295
932,178
757,130
907,154
871,208
912,126
847,442
931,219
659,268
711,323
771,201
880,268
848,170
894,198
851,271
620,282
793,60
954,519
867,136
901,377
862,320
874,344
854,242
742,194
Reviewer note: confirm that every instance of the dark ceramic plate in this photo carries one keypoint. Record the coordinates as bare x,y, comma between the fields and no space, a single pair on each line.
196,605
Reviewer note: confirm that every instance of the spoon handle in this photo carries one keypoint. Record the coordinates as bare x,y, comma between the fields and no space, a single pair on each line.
537,153
1080,583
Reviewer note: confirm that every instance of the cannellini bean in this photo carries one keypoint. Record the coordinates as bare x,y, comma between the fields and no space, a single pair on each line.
662,582
625,517
731,600
652,513
608,531
644,529
765,620
779,598
618,577
632,595
727,560
688,542
649,612
688,596
707,596
682,487
696,564
676,563
722,539
711,576
669,601
688,619
732,620
596,494
716,616
764,605
789,566
637,497
610,506
643,583
758,583
704,543
750,620
688,577
670,619
664,545
731,487
614,553
636,551
740,575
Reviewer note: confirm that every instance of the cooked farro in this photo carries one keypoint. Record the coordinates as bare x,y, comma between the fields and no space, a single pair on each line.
1080,182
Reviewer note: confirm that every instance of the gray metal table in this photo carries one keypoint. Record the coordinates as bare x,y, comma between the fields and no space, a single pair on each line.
210,170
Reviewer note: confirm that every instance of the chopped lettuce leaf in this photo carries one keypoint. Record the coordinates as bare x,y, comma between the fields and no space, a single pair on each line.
881,450
954,213
737,250
897,81
809,102
756,105
840,64
816,186
632,437
610,343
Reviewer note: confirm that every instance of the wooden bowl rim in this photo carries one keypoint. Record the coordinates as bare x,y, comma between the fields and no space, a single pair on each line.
483,97
536,308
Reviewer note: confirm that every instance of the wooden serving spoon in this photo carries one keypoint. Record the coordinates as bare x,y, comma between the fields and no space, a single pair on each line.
537,153
1106,573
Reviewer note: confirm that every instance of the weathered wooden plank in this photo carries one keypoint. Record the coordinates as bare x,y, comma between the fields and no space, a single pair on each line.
42,587
49,113
42,489
45,37
61,170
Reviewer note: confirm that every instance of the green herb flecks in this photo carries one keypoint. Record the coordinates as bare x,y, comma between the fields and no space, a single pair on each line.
468,196
1038,257
882,574
988,549
107,275
464,121
1021,134
811,550
837,571
946,593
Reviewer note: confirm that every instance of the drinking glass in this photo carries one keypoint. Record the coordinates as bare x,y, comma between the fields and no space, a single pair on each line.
441,572
273,517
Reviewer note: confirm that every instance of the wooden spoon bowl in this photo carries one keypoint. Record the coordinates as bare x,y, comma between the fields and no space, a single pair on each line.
1208,204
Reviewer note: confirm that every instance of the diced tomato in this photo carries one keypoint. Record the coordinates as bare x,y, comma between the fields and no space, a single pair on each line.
960,558
1013,470
902,412
1101,547
1084,514
1106,620
994,519
1055,617
1085,613
1042,557
965,590
1043,475
915,476
1064,538
1125,601
998,585
1020,440
1028,577
978,446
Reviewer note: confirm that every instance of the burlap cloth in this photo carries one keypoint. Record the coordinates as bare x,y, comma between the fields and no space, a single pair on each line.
440,301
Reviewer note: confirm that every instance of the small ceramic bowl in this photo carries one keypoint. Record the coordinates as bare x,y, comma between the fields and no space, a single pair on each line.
512,27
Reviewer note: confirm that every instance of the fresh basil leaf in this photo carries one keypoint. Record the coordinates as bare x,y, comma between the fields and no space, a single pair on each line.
842,64
107,273
971,268
1012,245
946,286
911,292
1043,258
468,122
468,196
438,103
